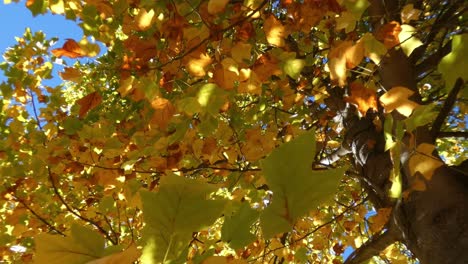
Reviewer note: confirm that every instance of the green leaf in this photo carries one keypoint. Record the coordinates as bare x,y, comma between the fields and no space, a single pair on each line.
82,246
421,116
296,188
455,64
211,98
407,40
236,228
356,7
38,7
178,209
374,49
293,67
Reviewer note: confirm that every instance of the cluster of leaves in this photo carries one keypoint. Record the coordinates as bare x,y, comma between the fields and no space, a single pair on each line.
194,137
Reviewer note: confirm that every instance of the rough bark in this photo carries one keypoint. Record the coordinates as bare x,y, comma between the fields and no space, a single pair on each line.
432,223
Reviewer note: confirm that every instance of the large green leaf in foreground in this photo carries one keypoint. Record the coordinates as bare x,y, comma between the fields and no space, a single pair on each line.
297,189
172,214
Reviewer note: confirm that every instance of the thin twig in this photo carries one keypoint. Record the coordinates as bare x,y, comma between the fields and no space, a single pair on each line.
72,211
42,219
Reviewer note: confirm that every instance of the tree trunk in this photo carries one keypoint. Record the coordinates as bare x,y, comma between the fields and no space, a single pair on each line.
432,223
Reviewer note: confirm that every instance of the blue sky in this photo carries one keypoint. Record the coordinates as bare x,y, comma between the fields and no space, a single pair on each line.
15,18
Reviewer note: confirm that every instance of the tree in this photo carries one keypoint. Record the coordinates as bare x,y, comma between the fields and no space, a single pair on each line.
238,131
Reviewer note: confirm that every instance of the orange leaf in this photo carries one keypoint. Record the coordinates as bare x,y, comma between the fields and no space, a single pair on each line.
388,34
364,98
164,112
70,49
377,222
88,103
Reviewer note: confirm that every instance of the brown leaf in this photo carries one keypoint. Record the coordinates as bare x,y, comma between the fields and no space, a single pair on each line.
88,103
70,49
364,98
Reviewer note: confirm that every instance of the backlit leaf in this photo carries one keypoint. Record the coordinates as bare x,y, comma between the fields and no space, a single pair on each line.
296,188
236,228
88,103
397,99
179,208
455,64
69,49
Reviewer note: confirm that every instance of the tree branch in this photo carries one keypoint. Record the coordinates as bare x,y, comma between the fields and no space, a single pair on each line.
71,210
452,134
433,60
371,248
42,219
448,104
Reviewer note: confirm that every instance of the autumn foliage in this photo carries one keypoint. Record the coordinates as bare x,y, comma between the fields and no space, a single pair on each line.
204,131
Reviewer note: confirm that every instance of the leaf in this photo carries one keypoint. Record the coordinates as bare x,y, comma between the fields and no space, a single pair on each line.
69,49
356,7
296,188
164,111
82,246
388,34
409,13
293,67
216,6
373,49
275,32
421,116
364,98
236,228
378,221
179,208
344,55
71,74
423,162
455,64
128,256
211,98
197,62
397,99
407,40
88,103
144,18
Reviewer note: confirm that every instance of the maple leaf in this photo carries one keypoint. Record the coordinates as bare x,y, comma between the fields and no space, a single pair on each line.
364,98
343,56
164,110
70,74
216,6
397,99
423,162
69,49
88,103
275,31
389,34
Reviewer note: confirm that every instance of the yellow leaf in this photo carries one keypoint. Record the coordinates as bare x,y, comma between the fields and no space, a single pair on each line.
241,52
275,31
216,6
128,256
397,99
423,162
409,13
144,18
196,65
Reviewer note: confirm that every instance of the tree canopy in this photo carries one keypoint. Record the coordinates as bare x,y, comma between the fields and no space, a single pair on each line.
237,131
